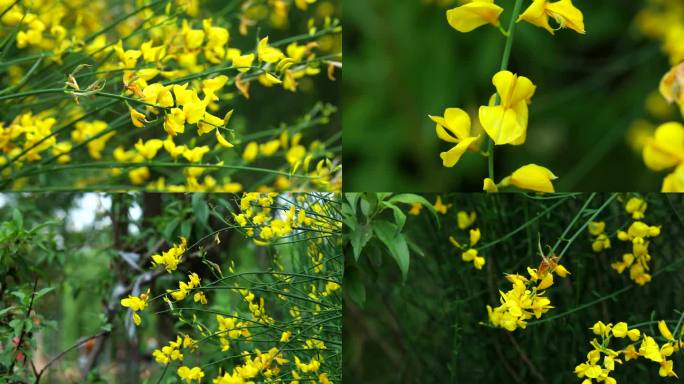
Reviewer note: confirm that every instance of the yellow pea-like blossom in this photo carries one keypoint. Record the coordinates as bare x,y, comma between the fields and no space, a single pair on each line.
440,206
665,150
174,121
465,219
531,177
672,86
268,53
136,304
171,258
149,148
454,127
190,374
563,12
473,15
506,123
222,140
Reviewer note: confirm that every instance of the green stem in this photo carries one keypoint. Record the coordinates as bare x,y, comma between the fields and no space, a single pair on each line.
504,65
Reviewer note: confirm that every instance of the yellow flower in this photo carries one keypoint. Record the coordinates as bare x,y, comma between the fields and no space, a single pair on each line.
473,15
454,128
474,236
136,303
441,207
139,175
490,186
415,209
251,151
148,149
637,207
596,227
666,148
174,122
222,140
650,350
195,155
672,86
674,182
171,258
665,331
506,123
465,219
243,62
563,12
190,374
267,53
620,329
137,118
532,177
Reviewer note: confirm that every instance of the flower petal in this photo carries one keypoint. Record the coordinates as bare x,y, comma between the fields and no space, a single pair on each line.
451,157
473,15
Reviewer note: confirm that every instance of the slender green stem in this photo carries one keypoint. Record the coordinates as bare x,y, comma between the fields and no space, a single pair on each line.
504,65
158,164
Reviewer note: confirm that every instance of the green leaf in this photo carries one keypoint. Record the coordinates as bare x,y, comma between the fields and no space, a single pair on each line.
353,198
43,292
410,198
359,239
395,243
200,208
5,310
399,216
185,228
18,219
353,286
170,228
369,202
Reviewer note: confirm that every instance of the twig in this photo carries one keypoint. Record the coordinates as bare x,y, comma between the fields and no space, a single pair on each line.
23,329
64,352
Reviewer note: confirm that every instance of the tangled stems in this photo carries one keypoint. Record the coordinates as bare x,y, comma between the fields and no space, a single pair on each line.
504,66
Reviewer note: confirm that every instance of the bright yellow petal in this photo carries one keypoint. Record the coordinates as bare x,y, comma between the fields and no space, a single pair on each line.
451,157
473,15
501,124
456,121
566,15
674,182
513,88
666,148
222,140
535,14
534,178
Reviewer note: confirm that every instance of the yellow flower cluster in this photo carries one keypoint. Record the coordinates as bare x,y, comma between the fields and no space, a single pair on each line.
190,374
600,240
176,70
136,304
638,234
505,118
172,352
297,351
595,370
264,221
526,299
171,258
469,254
231,327
184,289
54,26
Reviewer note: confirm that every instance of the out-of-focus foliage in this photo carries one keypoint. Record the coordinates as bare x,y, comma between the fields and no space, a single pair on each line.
404,61
434,327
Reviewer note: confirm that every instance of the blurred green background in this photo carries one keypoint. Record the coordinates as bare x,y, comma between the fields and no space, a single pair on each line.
403,61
